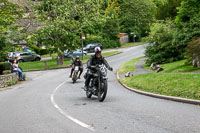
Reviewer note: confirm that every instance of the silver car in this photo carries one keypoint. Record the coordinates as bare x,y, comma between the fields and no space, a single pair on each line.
25,56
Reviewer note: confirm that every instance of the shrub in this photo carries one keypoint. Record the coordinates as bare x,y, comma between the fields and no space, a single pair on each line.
4,66
162,50
105,42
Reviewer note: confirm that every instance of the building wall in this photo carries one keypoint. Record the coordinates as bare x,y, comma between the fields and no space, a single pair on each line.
124,39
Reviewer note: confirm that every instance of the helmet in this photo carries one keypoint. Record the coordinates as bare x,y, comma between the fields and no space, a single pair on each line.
97,50
77,57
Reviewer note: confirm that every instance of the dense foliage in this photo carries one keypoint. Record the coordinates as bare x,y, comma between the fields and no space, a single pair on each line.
9,15
162,49
136,15
171,47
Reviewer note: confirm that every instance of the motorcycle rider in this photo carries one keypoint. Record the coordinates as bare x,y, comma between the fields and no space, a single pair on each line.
77,62
95,60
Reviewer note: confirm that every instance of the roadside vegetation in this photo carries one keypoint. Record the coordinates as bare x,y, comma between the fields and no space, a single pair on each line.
52,64
177,66
184,85
132,44
177,79
129,66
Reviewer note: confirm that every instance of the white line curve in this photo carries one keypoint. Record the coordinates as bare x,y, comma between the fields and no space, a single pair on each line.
65,114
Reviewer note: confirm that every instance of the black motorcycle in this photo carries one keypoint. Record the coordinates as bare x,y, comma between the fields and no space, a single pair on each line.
98,83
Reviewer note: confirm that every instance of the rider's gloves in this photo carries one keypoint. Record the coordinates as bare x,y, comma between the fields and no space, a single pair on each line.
110,68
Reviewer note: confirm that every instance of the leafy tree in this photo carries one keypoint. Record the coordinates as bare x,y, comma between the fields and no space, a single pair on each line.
111,28
187,11
9,14
187,22
167,9
136,14
65,22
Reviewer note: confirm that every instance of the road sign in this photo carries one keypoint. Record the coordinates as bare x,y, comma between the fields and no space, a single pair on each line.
83,36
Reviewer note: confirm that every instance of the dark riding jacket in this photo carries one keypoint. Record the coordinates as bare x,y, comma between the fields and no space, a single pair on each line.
93,61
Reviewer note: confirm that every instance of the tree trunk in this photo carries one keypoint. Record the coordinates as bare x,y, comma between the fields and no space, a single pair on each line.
60,59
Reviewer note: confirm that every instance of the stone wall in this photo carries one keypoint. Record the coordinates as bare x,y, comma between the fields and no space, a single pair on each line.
9,79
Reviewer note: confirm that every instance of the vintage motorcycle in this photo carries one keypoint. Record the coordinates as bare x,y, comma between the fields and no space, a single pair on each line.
98,83
75,74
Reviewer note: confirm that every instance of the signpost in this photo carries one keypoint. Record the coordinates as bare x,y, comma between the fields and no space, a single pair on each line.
83,37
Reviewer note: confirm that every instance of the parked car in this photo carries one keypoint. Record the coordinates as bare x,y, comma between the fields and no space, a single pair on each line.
78,52
25,56
10,56
90,47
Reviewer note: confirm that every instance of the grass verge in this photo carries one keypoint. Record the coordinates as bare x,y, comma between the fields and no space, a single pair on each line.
128,66
52,64
178,66
185,85
132,44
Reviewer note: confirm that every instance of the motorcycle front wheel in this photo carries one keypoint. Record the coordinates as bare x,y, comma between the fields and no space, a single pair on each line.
102,91
88,94
74,78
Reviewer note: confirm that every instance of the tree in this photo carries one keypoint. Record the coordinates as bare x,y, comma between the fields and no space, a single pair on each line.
167,9
111,28
65,22
187,23
188,10
9,13
136,14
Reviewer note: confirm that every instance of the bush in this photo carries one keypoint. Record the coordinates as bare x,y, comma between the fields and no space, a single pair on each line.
93,39
162,50
4,66
43,51
105,42
110,43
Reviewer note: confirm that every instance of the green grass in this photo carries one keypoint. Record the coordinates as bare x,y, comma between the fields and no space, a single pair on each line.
129,66
132,44
178,66
52,64
48,55
171,81
184,85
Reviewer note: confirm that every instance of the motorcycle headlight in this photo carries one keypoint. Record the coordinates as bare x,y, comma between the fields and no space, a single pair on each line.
104,72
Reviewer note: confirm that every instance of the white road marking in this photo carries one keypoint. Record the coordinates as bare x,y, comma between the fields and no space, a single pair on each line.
65,114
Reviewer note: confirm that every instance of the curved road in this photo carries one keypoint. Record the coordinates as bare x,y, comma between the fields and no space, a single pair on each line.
49,103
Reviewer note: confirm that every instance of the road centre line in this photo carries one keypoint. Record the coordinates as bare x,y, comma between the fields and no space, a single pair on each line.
65,114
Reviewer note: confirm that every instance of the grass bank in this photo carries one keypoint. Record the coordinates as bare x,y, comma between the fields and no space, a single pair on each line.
175,80
52,64
129,66
185,85
178,66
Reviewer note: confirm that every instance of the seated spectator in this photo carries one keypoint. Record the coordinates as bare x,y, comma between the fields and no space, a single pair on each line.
154,66
15,68
68,54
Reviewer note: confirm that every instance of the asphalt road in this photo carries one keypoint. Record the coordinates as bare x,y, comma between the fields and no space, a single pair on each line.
49,103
